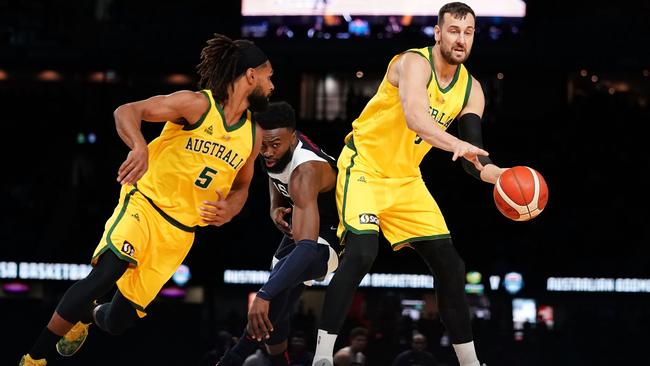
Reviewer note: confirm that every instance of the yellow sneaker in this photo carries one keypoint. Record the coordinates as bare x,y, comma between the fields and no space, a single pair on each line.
27,360
70,343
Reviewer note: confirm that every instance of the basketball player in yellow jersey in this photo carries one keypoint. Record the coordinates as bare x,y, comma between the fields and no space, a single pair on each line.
196,173
379,184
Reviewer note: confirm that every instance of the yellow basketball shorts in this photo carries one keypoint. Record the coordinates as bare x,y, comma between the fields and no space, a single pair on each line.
153,246
402,208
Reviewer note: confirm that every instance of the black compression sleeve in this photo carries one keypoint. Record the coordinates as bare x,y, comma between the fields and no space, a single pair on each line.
469,129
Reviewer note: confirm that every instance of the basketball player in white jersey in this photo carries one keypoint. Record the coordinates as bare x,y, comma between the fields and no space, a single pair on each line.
301,183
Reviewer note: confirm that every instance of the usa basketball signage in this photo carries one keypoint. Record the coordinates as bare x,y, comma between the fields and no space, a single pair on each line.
44,271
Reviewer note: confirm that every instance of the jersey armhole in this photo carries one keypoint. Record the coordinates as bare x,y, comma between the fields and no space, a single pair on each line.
198,123
468,89
425,57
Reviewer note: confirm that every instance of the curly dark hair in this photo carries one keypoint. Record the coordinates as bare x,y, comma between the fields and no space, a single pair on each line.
218,66
277,115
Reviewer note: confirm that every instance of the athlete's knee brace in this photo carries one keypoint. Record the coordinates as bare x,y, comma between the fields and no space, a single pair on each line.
360,252
116,316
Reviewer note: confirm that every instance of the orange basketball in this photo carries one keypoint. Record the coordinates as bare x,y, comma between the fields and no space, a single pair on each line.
520,193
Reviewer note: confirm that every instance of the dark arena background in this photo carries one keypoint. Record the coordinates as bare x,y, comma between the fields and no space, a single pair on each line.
567,87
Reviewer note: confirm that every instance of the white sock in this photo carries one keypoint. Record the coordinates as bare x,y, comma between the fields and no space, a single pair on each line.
324,345
466,354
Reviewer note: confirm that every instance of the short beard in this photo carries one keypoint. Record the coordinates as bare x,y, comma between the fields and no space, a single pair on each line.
282,163
449,58
257,101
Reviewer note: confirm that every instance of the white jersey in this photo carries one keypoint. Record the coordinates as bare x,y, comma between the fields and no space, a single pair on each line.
304,152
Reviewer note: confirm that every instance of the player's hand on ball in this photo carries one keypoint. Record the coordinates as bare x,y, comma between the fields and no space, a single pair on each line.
491,173
216,212
259,325
278,218
134,167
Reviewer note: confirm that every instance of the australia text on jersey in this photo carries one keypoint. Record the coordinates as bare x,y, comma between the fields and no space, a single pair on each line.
434,113
215,149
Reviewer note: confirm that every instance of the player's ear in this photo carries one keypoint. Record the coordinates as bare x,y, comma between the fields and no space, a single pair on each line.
436,33
250,75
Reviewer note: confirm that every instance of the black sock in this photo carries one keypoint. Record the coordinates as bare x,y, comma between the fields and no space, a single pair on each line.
279,360
44,344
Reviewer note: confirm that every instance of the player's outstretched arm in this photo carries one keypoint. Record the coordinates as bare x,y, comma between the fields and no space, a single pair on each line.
469,129
412,74
178,107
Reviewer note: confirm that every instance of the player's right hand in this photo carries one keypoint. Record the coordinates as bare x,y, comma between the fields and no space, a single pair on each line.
134,167
259,324
278,219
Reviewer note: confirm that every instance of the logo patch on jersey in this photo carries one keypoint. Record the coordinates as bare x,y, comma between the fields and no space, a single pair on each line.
281,187
209,130
136,216
362,179
367,218
128,249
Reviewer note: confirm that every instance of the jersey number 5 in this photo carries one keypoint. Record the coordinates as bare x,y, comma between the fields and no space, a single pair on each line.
204,179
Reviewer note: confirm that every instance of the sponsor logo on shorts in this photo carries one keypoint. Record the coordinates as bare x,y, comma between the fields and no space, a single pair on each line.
367,218
128,249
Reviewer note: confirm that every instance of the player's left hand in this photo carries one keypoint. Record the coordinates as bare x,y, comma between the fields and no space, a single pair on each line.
259,324
470,152
216,212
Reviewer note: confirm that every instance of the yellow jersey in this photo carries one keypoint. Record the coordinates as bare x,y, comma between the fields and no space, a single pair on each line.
380,136
189,164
